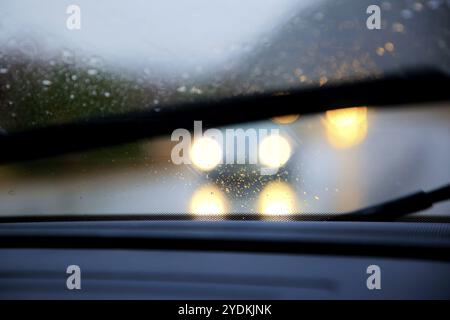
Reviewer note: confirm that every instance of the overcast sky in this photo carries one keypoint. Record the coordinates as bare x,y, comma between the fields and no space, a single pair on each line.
167,32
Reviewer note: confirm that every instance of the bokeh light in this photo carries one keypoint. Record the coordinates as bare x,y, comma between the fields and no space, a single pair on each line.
346,128
208,200
277,198
288,119
274,151
206,153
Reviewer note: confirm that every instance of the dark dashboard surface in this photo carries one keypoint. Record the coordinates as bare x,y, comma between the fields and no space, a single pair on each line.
224,260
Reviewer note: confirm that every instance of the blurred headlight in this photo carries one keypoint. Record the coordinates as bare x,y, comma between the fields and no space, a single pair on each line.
208,200
206,153
277,198
274,151
346,127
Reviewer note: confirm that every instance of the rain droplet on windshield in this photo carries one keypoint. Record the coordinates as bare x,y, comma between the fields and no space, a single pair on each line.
92,72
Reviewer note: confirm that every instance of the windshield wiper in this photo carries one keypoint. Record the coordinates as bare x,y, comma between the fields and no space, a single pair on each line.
397,208
384,212
399,89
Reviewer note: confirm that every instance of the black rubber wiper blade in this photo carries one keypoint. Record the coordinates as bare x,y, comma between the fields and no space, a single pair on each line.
397,208
399,89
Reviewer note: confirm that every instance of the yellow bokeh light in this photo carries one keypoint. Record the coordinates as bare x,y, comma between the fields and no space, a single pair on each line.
208,200
277,198
288,119
274,151
346,127
206,153
389,46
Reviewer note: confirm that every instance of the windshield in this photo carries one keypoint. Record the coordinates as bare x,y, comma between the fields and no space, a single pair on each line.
61,62
329,163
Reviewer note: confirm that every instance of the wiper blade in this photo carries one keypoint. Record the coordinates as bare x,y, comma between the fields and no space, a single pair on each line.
397,208
384,212
399,89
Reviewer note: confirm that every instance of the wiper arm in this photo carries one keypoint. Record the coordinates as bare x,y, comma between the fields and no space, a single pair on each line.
394,209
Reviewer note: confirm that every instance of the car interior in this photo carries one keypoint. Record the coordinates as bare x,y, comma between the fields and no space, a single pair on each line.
167,150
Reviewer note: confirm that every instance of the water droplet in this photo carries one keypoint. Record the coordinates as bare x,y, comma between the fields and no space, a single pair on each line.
406,14
389,46
380,51
92,72
398,27
67,57
418,6
46,82
3,70
196,90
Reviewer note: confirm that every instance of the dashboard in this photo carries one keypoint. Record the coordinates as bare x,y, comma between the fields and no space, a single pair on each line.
224,260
